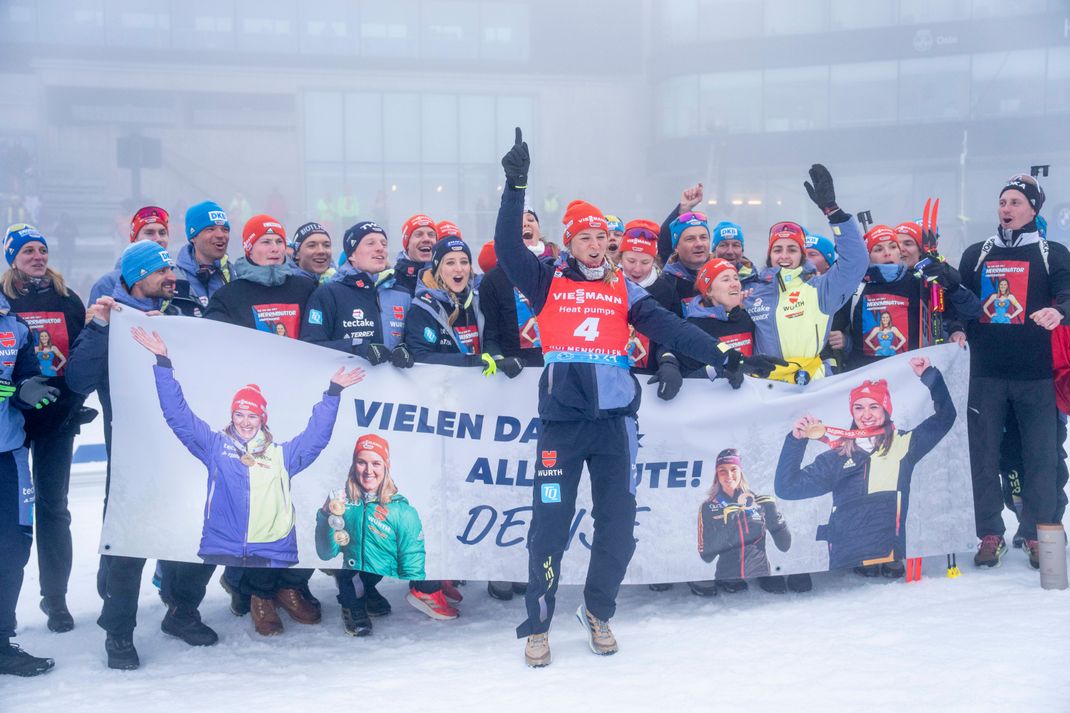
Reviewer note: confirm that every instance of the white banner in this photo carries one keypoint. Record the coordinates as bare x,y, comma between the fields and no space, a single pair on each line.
463,458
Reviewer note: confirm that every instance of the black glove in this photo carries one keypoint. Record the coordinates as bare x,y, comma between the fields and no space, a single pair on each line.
377,354
511,366
36,392
942,273
758,365
517,162
668,378
821,190
401,357
769,511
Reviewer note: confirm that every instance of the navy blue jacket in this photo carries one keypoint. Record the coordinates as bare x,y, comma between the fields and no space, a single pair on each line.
581,391
431,338
19,363
354,310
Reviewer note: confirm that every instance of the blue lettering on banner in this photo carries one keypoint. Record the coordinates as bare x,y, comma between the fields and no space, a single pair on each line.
481,473
551,493
411,418
677,473
483,518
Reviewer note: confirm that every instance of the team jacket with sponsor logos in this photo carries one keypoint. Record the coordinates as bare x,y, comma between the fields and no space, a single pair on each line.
196,285
430,336
17,363
407,272
355,310
792,309
735,535
509,320
890,316
733,329
248,509
870,491
269,298
383,539
586,375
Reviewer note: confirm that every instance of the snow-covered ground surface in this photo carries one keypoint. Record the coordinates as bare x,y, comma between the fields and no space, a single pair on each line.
988,641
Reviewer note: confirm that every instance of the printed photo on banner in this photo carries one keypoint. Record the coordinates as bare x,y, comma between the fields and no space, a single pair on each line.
1004,284
368,523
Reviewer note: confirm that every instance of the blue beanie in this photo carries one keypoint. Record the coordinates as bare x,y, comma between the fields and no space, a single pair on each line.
17,236
727,230
204,215
677,226
141,260
823,245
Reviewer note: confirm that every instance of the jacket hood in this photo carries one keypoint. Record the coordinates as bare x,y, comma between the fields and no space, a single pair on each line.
123,297
678,269
440,295
885,274
266,275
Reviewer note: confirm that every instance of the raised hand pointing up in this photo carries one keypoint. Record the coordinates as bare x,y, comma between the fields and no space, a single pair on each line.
516,163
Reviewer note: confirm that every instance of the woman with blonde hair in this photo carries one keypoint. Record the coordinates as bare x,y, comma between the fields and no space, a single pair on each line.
373,527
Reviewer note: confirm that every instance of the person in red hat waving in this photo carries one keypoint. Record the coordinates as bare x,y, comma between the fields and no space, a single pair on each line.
588,400
249,521
867,468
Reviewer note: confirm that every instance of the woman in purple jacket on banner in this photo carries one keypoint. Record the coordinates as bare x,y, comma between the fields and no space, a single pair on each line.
248,515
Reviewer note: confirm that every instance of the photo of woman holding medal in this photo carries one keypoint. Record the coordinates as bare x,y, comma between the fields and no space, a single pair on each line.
867,468
249,518
372,526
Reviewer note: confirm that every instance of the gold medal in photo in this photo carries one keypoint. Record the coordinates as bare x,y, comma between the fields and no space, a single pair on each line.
337,507
247,460
815,431
341,538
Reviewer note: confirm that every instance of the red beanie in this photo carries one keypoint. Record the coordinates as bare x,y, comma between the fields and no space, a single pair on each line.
880,234
487,257
709,273
910,229
146,216
417,221
375,444
249,398
786,229
257,227
581,215
876,390
642,229
632,244
446,229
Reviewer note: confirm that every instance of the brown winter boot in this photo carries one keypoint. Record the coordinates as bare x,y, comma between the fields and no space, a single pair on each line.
266,619
300,609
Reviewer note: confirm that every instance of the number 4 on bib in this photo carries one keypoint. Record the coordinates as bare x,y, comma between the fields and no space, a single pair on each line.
588,329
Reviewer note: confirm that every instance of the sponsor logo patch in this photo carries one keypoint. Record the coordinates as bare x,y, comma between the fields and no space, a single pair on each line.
551,493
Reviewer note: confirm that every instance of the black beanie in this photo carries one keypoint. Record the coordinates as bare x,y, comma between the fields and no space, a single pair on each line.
445,247
358,232
1029,187
306,230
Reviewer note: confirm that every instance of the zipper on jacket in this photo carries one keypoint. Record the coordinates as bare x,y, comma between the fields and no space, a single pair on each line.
550,378
211,496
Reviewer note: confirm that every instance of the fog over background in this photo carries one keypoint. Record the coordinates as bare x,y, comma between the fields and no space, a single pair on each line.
341,110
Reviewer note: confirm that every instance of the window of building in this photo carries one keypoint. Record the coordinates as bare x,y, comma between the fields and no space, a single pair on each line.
505,30
915,12
678,107
729,19
401,127
267,26
138,23
854,15
1002,8
477,123
439,128
791,17
363,127
864,93
934,89
1058,97
449,30
324,122
677,20
1007,83
511,113
388,29
202,24
796,98
327,27
67,23
730,102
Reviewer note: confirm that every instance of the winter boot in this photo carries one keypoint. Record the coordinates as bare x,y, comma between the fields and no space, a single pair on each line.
239,603
16,662
520,587
186,624
537,651
266,619
376,603
300,609
989,551
356,621
660,586
59,617
732,586
705,588
774,584
1018,542
500,590
434,604
309,597
122,656
1032,548
893,569
451,592
800,582
868,570
599,636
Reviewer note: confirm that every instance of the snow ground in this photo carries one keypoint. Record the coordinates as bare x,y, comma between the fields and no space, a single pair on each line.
851,644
